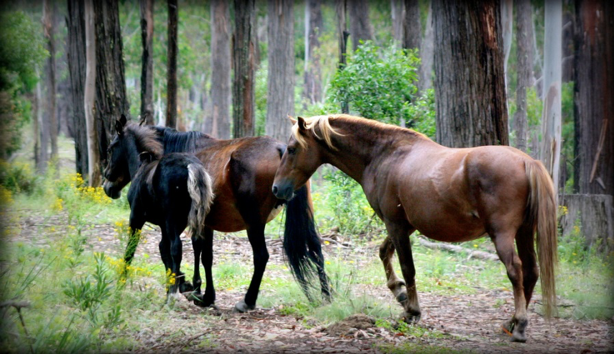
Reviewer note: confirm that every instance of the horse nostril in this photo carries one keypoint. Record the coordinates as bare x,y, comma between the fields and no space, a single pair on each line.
275,190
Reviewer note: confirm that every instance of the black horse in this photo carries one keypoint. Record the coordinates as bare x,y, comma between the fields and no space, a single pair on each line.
242,171
171,191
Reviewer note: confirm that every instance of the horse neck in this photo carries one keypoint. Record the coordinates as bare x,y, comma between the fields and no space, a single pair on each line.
361,146
133,158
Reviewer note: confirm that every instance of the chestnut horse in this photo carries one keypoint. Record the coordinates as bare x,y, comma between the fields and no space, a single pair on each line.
242,171
450,195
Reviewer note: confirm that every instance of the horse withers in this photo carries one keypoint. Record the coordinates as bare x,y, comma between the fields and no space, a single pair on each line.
172,191
450,195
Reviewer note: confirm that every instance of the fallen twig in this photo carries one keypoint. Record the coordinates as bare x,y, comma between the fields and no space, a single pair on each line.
453,248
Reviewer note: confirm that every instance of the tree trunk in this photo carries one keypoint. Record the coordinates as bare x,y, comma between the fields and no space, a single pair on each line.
595,213
314,25
507,22
360,26
76,69
89,95
427,48
171,71
550,151
412,29
280,86
244,69
469,78
39,163
147,26
220,63
343,34
111,100
524,63
51,120
593,101
397,10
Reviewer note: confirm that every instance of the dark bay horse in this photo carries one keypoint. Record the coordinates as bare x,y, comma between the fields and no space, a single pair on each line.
171,191
450,195
242,171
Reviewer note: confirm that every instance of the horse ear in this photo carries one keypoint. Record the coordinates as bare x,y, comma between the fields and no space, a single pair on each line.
145,157
120,124
292,120
301,124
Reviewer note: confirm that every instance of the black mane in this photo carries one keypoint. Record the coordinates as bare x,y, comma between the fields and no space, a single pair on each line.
175,141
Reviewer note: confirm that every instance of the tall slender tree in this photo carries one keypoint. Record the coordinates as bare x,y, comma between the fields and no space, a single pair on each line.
51,124
147,26
313,71
280,85
342,36
412,29
243,85
427,49
397,10
360,25
171,70
111,101
593,103
220,64
550,151
89,95
469,80
76,69
524,63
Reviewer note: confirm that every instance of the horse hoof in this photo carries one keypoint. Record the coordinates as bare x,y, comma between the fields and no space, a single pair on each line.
186,287
412,317
202,301
242,307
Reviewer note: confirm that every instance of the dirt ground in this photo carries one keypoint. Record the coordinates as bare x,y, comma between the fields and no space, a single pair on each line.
465,322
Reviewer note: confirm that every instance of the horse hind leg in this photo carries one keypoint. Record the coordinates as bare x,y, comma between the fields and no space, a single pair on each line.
525,245
504,244
394,283
399,232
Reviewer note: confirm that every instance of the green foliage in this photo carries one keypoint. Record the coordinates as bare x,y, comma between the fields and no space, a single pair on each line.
21,51
422,112
19,178
377,83
349,209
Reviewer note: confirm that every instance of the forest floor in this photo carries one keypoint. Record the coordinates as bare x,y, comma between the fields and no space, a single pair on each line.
450,322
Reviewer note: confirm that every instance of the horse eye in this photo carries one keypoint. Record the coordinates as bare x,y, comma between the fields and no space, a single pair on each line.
291,150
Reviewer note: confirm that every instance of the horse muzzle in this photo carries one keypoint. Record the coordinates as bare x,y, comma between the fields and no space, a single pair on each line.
283,191
111,190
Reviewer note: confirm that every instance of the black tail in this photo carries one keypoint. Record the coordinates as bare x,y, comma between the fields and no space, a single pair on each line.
303,245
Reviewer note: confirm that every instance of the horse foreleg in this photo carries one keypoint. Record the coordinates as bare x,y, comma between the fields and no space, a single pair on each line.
394,283
504,244
255,235
398,232
197,246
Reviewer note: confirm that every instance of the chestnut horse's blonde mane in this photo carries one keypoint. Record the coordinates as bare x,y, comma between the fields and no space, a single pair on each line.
324,129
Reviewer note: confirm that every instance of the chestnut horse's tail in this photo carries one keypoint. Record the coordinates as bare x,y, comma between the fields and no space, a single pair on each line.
201,193
302,244
542,216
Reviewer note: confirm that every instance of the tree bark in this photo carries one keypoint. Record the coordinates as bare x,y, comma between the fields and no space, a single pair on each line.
360,26
280,85
220,63
111,101
524,62
593,103
244,69
89,95
550,150
147,26
427,48
343,34
171,71
76,68
469,78
397,10
412,29
507,23
313,72
50,104
39,161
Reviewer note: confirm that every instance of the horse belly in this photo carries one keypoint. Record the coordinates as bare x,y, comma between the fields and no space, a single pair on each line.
448,226
225,218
